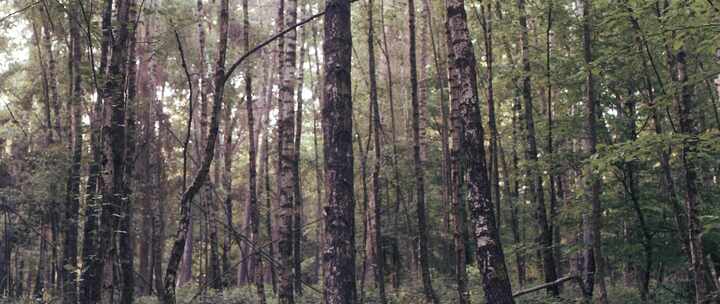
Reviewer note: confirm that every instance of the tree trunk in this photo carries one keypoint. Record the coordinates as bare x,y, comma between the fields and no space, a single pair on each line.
490,257
593,256
201,176
456,180
375,253
339,253
686,108
486,11
286,121
537,195
90,283
396,171
72,199
297,191
252,171
430,295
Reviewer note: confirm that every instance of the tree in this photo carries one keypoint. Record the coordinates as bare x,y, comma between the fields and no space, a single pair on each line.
537,195
468,126
418,166
593,257
219,80
375,252
72,200
286,158
339,253
252,171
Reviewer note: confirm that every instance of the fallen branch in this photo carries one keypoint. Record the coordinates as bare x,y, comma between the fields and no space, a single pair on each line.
546,285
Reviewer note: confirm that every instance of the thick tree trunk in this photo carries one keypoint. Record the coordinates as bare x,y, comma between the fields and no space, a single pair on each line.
419,172
339,253
490,257
286,157
534,179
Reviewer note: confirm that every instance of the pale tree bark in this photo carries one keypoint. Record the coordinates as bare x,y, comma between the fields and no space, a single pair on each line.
339,252
464,92
286,120
534,179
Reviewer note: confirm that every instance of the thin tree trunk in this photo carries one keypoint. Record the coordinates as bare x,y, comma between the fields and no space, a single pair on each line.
553,224
537,195
201,177
252,171
375,253
396,170
486,11
72,199
339,253
464,92
593,257
430,295
297,191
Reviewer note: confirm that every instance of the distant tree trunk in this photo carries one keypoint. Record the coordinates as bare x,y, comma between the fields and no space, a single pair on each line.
537,195
375,253
339,253
490,257
51,74
162,194
72,199
201,176
252,167
593,257
265,156
553,225
430,295
286,121
317,89
486,10
297,191
396,171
